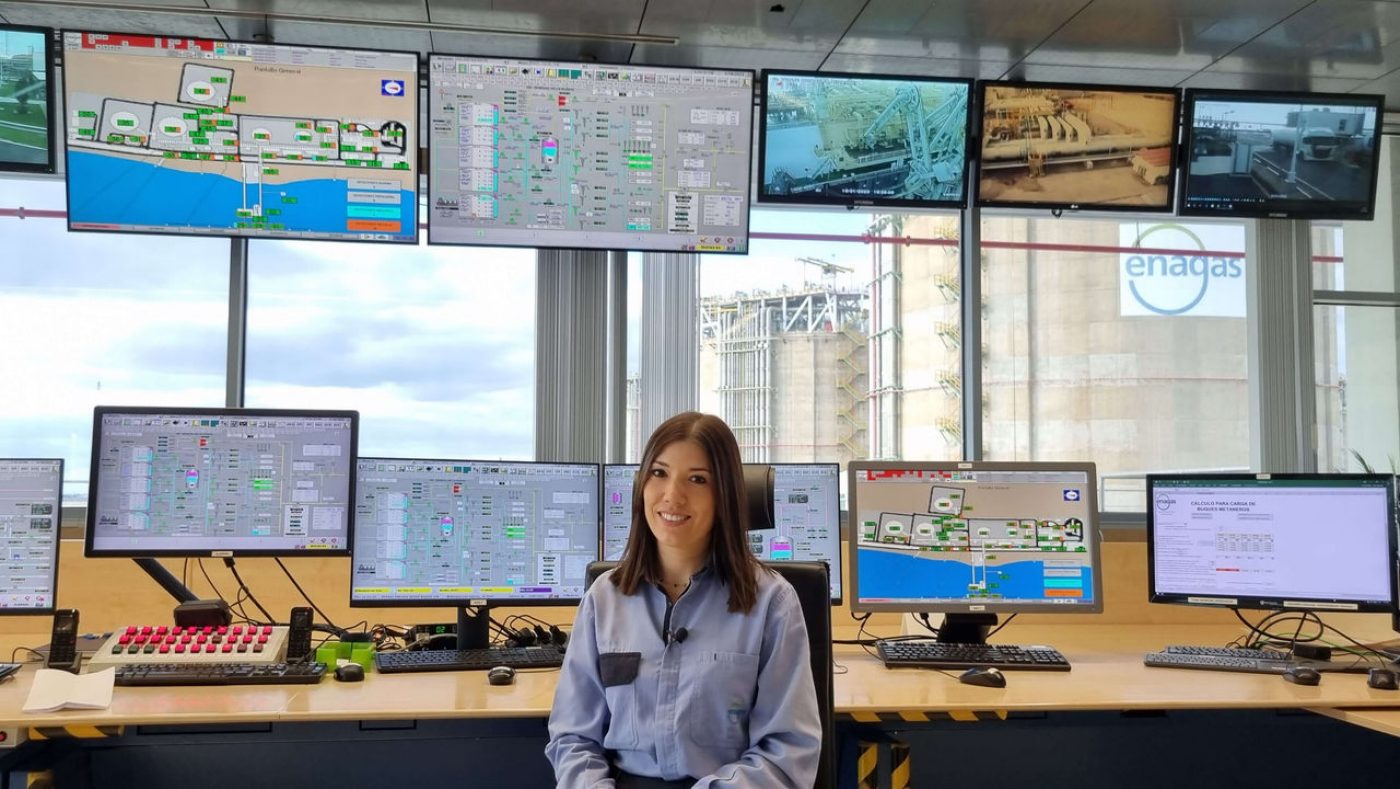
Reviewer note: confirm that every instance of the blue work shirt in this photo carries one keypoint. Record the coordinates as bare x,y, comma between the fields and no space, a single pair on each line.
732,704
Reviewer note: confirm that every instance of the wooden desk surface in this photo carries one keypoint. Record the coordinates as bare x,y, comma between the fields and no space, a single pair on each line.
1107,675
1383,721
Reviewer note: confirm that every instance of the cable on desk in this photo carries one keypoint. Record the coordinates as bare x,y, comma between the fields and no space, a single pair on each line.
305,596
36,653
233,568
998,628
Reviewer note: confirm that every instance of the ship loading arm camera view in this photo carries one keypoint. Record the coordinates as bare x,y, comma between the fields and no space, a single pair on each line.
1076,146
860,139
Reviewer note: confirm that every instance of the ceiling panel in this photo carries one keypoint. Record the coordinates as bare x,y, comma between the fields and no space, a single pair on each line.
1043,72
567,16
996,30
531,47
928,67
1350,39
322,35
726,57
1172,34
401,10
116,20
1388,86
803,25
1225,80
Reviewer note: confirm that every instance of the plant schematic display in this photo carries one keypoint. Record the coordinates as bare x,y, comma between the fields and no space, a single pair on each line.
579,155
187,136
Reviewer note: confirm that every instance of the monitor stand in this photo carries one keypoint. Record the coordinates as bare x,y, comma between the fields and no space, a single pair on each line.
474,627
966,628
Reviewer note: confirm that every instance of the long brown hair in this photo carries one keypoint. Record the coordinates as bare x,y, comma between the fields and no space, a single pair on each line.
730,557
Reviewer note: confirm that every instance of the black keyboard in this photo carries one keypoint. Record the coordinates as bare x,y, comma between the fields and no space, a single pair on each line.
1249,661
157,674
1228,652
935,654
547,656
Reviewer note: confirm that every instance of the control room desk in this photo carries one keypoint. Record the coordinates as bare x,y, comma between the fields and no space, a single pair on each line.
1102,721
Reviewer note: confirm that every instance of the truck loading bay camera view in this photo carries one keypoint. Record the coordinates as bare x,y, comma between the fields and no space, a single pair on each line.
1051,145
1251,156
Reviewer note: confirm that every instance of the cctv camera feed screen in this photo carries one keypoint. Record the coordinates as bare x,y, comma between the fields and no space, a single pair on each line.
24,99
1271,155
1071,147
834,139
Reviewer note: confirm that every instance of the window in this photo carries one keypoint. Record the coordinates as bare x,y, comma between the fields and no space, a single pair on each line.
1356,355
93,319
785,335
434,346
1095,351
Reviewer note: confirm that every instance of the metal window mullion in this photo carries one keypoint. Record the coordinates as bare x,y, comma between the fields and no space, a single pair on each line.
670,341
970,249
237,353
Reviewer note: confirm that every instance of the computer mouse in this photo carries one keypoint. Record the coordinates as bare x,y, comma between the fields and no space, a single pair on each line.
350,672
1382,679
1302,675
501,675
986,676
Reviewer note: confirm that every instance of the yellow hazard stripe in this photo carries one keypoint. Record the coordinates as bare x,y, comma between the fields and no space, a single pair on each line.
76,731
899,766
865,717
913,716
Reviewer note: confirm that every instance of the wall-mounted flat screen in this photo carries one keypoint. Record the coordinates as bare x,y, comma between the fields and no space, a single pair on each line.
1280,155
26,96
219,138
587,156
1073,147
862,139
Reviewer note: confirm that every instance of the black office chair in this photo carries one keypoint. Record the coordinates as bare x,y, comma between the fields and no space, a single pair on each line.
812,582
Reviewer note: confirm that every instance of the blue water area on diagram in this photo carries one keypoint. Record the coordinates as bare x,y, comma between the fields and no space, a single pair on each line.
900,575
117,191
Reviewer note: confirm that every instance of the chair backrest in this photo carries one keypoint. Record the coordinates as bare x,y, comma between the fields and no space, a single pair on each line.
812,582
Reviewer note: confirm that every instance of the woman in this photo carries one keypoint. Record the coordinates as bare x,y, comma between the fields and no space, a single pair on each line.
689,663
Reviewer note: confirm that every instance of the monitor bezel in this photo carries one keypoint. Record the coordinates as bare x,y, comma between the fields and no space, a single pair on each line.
233,234
1174,146
1092,539
836,598
1188,112
1262,603
57,545
475,601
50,74
748,192
762,197
90,551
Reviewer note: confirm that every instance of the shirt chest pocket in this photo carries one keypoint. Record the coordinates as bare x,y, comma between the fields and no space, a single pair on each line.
618,671
720,699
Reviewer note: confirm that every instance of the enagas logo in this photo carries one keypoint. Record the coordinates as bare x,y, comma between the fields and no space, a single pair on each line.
1182,272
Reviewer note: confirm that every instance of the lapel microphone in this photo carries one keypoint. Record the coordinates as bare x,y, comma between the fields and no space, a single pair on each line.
679,635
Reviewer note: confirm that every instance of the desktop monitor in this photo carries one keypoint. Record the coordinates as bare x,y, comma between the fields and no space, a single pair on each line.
26,99
197,482
1069,147
544,153
31,505
863,139
806,516
973,540
472,533
1280,155
221,138
1272,541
